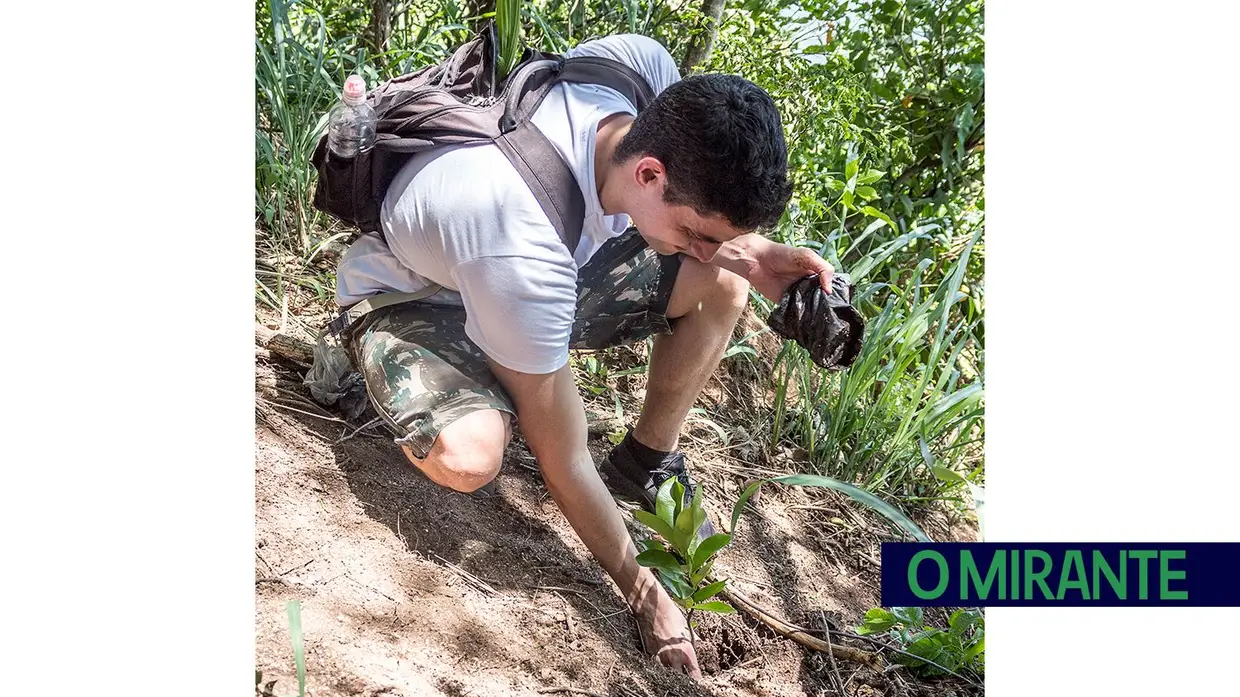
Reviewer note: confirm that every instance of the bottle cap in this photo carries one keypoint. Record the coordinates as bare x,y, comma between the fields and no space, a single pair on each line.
354,90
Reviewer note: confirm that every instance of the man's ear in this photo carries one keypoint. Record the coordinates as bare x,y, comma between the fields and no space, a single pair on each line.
649,171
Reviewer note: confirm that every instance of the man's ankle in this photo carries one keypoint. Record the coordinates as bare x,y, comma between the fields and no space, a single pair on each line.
644,453
657,442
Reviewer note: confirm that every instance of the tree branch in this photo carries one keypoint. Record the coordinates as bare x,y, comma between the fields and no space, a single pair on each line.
704,42
798,635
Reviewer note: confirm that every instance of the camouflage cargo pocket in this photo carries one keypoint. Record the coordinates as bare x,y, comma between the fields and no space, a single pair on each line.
421,371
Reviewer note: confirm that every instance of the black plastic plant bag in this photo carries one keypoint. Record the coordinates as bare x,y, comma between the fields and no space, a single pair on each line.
827,326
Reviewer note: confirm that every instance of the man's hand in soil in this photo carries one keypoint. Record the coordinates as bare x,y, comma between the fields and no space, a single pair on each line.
664,633
770,266
553,421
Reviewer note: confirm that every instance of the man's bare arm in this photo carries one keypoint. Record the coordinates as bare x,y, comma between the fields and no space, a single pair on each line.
552,420
770,266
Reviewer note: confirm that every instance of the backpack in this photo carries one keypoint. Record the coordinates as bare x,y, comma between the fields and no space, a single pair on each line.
460,101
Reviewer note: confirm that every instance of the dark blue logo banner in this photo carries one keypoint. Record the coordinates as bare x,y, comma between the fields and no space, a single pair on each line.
1069,574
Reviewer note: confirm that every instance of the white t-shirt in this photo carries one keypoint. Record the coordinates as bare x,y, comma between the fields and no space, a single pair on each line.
462,217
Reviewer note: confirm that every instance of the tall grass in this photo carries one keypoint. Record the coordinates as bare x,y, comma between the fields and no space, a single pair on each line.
298,72
914,388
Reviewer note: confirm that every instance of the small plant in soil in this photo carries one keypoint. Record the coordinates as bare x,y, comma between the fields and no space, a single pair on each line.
682,560
962,646
299,647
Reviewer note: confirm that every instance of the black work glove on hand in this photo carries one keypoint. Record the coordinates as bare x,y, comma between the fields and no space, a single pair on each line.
828,326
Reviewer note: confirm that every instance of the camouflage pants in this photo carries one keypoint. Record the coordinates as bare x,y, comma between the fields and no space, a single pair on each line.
422,372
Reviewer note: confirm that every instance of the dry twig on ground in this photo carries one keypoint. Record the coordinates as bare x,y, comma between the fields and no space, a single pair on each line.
796,634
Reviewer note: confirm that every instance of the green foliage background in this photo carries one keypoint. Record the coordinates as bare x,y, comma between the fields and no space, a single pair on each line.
884,107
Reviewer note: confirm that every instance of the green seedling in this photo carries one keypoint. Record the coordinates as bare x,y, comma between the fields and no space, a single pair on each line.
682,560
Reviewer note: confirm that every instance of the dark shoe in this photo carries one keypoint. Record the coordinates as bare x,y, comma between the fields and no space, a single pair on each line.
632,471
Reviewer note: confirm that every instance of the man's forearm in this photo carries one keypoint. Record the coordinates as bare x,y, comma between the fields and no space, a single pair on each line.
770,267
590,509
552,420
740,255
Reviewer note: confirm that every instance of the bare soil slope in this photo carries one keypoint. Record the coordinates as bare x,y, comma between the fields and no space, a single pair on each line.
410,589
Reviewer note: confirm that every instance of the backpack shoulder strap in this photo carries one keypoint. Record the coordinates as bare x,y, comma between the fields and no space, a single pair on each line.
609,73
549,177
530,151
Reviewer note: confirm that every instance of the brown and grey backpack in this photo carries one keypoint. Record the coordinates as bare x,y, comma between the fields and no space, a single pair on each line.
461,101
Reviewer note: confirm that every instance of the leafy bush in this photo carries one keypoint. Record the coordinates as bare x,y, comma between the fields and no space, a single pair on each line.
962,646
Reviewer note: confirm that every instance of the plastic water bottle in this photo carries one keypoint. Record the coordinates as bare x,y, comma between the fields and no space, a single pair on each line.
351,125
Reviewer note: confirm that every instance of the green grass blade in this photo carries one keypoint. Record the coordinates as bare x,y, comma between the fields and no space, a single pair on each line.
299,649
886,509
740,504
508,28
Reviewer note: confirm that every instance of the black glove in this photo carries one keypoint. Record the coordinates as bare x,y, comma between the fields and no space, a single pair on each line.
828,326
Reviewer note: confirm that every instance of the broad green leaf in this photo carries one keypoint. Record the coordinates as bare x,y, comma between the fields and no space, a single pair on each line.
870,176
664,506
876,620
976,650
678,498
925,647
911,616
697,516
867,192
658,559
684,530
875,213
715,606
654,523
677,585
649,543
962,621
879,614
707,592
700,575
709,546
889,511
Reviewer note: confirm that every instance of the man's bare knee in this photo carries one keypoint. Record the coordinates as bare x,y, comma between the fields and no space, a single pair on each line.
733,290
708,287
468,452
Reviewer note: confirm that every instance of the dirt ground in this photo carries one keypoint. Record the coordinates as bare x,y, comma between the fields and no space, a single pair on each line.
410,589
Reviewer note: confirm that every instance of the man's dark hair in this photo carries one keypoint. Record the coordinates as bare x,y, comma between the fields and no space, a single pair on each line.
722,143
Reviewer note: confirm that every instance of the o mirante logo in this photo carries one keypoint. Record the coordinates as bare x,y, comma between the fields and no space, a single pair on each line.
1068,574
